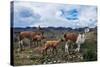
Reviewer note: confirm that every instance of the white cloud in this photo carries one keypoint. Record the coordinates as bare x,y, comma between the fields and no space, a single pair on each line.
88,16
51,14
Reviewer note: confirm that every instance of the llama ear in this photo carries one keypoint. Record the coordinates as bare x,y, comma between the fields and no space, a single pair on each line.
62,39
64,35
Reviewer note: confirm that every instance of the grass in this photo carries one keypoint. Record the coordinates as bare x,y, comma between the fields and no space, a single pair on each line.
89,48
28,56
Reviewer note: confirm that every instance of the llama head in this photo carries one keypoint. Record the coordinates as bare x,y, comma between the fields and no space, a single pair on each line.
62,40
86,30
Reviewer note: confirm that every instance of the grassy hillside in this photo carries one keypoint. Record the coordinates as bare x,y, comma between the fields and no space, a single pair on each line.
29,56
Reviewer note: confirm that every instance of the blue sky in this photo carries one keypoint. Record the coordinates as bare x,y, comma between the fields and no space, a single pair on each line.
30,14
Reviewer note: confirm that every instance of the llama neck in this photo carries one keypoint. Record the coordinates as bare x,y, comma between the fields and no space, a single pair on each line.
58,42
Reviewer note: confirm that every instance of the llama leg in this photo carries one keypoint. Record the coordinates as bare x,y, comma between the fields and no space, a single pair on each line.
30,44
40,42
78,48
55,51
21,45
36,43
43,52
66,48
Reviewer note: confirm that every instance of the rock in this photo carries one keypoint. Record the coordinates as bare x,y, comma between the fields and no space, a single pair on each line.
54,61
58,61
28,56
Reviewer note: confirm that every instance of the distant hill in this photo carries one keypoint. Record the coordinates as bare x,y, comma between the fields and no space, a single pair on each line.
48,29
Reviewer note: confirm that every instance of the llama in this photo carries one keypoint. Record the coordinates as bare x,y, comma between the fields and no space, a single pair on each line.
77,39
34,37
51,44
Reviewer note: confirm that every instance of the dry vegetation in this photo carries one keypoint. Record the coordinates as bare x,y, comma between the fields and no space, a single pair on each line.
32,56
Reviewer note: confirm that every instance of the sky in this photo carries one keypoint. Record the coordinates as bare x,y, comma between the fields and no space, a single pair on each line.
34,14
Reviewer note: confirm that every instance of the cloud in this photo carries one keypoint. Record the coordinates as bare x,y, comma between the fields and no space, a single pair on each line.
70,15
50,14
25,13
88,16
24,16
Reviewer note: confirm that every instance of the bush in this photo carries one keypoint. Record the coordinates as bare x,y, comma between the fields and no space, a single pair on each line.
90,55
